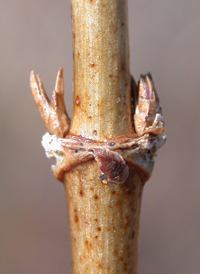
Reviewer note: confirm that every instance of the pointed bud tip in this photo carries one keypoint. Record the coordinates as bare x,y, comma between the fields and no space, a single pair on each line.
32,73
60,73
59,86
32,76
34,83
146,87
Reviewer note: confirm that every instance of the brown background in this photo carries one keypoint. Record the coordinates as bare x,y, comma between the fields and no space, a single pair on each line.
164,39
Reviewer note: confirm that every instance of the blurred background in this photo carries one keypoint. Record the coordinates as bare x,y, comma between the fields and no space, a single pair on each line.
164,39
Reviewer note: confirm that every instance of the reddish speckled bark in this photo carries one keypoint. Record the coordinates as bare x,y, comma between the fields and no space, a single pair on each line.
101,160
102,99
104,221
103,218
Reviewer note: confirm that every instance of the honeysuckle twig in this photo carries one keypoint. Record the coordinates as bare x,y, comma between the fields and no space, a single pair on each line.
107,153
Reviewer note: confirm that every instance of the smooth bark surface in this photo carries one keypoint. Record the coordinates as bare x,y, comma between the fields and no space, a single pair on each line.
103,218
102,100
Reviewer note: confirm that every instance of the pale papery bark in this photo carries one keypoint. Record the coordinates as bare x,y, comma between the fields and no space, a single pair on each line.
100,159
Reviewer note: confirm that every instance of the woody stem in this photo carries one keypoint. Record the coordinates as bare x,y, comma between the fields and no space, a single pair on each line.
102,103
103,218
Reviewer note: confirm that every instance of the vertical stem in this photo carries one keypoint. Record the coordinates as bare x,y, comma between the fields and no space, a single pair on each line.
102,103
103,219
100,159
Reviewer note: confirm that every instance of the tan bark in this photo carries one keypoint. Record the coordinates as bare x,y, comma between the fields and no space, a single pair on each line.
102,102
102,162
103,221
103,218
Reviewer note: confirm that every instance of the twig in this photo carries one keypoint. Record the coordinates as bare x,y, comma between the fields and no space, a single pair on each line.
107,154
